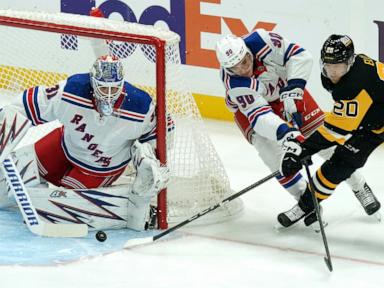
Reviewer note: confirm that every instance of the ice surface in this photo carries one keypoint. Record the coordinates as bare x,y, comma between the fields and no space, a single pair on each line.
246,252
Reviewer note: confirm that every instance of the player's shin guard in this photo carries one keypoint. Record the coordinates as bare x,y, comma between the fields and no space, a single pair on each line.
25,161
295,184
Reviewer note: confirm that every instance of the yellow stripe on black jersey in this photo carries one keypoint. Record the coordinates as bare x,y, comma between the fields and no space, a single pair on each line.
328,135
348,114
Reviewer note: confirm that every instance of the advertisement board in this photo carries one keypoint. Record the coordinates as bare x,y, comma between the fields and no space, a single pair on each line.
200,23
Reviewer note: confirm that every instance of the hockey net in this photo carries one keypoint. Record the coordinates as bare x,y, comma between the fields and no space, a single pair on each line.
44,48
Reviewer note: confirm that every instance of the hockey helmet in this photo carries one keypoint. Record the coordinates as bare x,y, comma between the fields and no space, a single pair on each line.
107,81
337,49
230,50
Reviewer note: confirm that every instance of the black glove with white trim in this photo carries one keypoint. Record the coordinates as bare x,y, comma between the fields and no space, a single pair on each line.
291,162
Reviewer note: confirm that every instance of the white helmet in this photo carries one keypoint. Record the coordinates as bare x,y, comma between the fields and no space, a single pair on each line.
230,50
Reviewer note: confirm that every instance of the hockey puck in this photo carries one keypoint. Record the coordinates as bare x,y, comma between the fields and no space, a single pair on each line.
101,236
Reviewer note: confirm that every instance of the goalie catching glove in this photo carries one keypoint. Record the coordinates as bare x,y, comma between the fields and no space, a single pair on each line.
151,176
292,98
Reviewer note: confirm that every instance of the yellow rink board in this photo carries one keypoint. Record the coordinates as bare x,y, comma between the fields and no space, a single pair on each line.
19,79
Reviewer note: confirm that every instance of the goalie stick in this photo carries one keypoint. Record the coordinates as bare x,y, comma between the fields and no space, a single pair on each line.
139,241
28,211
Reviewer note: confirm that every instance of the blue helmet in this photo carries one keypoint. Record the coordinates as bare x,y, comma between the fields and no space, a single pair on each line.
107,80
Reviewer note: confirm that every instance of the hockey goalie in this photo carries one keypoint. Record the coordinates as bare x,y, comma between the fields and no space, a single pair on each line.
105,124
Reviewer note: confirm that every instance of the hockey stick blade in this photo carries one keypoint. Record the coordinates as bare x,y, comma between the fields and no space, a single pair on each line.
60,230
140,241
328,263
137,242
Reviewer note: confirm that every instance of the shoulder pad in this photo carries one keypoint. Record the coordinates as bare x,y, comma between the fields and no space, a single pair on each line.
136,100
79,85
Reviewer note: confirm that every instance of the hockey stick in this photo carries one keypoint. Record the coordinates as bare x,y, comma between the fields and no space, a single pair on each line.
30,216
139,241
327,259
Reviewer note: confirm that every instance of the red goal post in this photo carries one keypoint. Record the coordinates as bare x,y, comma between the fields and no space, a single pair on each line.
162,41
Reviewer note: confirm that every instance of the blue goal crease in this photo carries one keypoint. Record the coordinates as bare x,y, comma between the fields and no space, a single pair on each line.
20,247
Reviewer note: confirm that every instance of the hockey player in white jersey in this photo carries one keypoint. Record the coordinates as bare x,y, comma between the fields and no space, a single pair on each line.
106,123
265,76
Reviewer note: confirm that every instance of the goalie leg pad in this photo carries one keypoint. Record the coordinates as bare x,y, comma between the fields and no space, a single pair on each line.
99,208
138,212
150,177
25,161
13,127
149,180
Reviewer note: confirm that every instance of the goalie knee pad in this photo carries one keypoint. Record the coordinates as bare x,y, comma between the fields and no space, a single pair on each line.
13,126
26,163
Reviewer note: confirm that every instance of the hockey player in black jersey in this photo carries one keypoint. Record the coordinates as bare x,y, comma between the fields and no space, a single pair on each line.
355,126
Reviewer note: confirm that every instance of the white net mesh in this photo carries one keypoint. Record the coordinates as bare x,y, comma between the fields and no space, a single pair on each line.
31,57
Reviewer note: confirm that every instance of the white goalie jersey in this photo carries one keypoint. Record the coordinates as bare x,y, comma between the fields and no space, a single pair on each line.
97,145
277,63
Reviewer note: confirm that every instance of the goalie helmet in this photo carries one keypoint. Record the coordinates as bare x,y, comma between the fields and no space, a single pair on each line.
338,49
107,80
230,50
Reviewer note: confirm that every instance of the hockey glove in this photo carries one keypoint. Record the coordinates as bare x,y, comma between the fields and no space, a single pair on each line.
151,176
291,162
292,98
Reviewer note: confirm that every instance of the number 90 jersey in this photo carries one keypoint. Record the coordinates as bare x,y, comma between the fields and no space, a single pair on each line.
277,63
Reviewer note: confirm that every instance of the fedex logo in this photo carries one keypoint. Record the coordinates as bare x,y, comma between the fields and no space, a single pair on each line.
183,17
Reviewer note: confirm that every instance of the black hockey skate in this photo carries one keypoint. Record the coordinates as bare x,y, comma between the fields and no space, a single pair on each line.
152,218
302,209
290,217
367,199
311,220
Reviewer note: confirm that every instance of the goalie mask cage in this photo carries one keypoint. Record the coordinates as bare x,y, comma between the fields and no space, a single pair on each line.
44,48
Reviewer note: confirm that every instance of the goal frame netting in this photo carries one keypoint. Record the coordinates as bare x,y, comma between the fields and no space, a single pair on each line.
147,36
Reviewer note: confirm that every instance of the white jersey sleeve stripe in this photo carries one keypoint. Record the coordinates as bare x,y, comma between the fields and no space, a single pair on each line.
256,113
73,183
72,99
31,106
293,49
226,81
254,84
131,114
230,105
263,52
